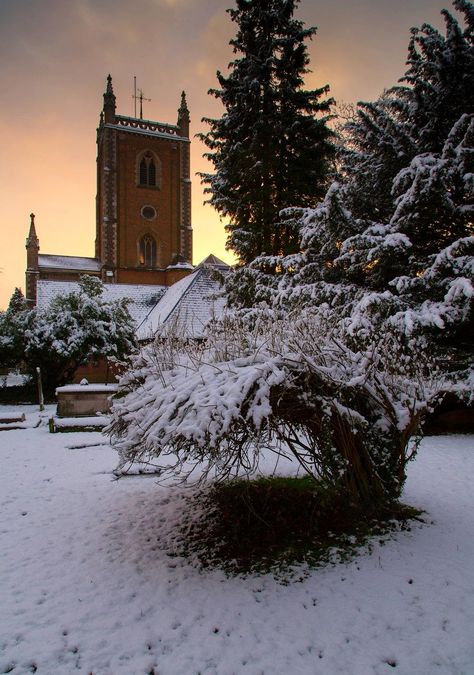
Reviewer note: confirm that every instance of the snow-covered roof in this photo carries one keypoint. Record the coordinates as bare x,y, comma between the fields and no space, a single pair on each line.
87,388
148,132
180,266
143,297
213,261
192,301
68,262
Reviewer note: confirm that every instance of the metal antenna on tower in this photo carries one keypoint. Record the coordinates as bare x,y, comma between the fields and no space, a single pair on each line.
140,97
134,95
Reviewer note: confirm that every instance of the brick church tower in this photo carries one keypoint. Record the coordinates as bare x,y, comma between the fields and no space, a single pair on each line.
143,221
143,208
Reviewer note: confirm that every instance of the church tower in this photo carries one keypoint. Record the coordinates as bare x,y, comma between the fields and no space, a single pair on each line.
143,220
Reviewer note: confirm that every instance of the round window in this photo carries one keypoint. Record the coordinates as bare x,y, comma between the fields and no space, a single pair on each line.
148,212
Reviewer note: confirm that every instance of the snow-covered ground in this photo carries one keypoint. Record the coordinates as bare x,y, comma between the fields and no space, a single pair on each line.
87,585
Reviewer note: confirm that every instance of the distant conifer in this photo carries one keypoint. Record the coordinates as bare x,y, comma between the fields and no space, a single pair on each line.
271,148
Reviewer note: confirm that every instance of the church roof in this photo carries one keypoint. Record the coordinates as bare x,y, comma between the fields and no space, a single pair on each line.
68,262
143,297
192,302
213,261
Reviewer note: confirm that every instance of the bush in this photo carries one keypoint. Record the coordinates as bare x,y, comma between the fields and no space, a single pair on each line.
348,412
74,329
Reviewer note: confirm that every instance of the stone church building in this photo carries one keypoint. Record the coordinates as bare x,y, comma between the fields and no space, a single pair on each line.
143,212
143,245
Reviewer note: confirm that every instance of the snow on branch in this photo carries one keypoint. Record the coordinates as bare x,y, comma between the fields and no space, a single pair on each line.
291,384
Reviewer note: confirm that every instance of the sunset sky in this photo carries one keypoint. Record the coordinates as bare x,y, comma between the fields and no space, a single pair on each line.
55,57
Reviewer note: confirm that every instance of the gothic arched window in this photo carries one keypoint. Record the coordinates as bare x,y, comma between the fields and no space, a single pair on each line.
149,170
147,251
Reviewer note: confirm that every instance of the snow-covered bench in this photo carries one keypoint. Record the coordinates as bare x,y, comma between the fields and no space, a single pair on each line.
11,417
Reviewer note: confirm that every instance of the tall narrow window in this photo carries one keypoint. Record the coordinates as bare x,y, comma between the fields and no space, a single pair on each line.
148,172
143,172
147,251
151,172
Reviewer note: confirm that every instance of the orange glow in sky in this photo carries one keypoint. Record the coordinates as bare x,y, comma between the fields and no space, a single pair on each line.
56,55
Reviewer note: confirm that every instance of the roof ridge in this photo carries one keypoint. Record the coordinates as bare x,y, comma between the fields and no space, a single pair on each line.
64,255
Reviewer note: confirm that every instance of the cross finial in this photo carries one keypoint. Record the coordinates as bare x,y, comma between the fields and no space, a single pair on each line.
139,97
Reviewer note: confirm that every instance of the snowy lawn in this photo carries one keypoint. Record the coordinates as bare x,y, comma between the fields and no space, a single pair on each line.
87,585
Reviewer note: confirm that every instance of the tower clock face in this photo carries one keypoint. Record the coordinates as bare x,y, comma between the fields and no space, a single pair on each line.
148,212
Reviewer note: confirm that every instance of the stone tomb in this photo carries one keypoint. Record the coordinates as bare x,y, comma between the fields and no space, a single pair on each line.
84,400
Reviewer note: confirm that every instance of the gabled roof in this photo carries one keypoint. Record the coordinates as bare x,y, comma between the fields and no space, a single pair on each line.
143,297
68,262
191,302
213,261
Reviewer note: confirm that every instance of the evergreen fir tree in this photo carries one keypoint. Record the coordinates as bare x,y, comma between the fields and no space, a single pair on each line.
17,302
378,145
11,331
440,79
392,242
269,150
433,208
412,118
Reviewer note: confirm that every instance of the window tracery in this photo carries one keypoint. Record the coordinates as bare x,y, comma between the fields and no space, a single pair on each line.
148,169
147,251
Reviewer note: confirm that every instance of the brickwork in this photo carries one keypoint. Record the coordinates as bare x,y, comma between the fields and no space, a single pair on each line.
163,198
129,212
165,277
127,209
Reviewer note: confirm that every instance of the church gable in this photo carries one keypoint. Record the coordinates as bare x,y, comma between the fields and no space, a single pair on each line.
190,304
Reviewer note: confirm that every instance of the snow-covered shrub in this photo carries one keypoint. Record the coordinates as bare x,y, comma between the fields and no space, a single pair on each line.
75,328
291,384
11,352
